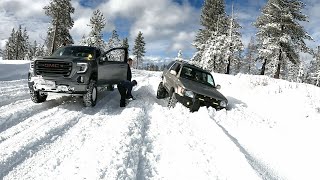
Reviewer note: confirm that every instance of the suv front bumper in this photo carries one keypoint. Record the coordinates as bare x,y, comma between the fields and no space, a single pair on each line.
198,101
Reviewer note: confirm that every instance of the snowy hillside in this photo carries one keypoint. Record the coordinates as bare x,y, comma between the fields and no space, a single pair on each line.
270,131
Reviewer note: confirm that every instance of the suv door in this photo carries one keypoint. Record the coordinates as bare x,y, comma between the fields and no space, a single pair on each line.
113,66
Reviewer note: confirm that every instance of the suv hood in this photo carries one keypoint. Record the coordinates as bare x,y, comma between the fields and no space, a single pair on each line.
202,89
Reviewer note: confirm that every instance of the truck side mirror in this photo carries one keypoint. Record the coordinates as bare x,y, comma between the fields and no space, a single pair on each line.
218,86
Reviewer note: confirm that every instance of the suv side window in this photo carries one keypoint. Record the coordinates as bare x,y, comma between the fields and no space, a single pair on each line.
169,65
176,67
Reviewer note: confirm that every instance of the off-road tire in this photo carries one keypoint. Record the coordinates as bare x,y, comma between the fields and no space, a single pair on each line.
37,96
161,92
90,98
195,106
172,101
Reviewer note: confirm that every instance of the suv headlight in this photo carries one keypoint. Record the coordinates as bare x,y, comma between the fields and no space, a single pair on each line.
82,67
223,104
189,94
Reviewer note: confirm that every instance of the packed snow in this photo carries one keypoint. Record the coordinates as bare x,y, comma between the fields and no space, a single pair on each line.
270,130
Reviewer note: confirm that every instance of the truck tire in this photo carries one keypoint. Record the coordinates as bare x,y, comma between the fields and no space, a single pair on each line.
37,96
161,92
90,98
172,100
195,106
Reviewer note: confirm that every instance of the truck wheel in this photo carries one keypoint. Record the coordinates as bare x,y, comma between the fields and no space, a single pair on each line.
90,98
37,96
172,100
161,92
195,106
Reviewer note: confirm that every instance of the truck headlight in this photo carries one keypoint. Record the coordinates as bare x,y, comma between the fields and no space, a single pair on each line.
223,104
189,94
31,65
82,67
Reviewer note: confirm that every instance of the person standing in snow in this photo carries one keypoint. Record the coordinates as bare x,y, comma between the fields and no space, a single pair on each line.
125,88
129,75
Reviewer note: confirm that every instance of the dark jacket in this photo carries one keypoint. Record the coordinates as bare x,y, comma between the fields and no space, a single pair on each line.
127,85
129,75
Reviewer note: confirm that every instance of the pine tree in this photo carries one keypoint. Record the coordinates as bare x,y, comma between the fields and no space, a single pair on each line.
235,46
58,33
219,42
250,58
9,50
179,56
97,24
139,48
114,40
125,43
213,19
17,46
280,35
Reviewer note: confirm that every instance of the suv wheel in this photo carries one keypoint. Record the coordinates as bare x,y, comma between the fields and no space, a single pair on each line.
90,98
37,96
161,92
172,100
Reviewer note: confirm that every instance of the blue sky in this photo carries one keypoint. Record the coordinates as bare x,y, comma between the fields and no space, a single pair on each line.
167,25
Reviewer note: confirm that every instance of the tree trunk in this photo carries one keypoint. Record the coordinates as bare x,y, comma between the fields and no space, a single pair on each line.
54,40
277,74
228,66
263,67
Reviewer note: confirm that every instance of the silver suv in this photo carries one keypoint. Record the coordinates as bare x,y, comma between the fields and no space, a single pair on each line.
191,86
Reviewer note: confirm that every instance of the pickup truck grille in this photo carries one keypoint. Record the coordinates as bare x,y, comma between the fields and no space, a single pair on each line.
53,68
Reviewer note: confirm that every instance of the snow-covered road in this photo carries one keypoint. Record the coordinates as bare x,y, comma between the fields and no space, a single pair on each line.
61,139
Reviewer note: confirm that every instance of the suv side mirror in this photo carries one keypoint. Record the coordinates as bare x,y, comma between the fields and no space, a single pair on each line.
218,86
173,72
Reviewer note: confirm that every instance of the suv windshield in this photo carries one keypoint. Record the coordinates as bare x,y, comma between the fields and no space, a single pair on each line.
197,75
76,51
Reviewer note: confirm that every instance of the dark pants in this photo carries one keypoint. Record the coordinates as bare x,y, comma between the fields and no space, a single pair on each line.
123,92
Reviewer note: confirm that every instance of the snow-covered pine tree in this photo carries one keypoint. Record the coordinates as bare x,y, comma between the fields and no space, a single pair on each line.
139,48
212,38
58,33
33,48
280,35
114,40
25,45
213,18
179,56
249,62
97,24
235,46
19,45
9,49
313,70
125,43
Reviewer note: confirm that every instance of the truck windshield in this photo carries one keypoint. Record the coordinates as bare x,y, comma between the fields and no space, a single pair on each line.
75,51
197,75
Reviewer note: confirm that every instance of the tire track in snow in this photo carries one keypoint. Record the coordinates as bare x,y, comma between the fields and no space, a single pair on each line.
19,111
261,169
13,91
21,146
78,138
